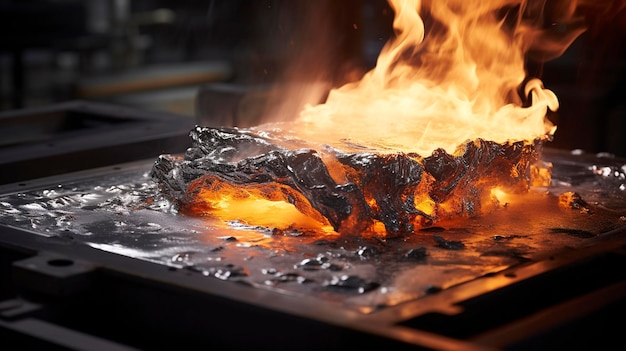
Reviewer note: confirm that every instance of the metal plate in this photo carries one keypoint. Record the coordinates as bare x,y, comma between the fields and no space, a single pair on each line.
471,284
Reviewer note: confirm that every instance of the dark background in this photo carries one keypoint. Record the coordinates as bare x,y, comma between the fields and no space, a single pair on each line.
49,50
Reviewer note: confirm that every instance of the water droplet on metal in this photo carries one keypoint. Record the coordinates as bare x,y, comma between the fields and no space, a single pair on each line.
184,257
351,283
319,263
605,155
282,277
224,272
229,272
269,270
577,152
368,252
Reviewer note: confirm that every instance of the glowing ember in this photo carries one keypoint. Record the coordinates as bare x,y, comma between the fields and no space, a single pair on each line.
436,130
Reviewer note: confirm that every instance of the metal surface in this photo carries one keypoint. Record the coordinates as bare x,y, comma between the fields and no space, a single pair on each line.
102,243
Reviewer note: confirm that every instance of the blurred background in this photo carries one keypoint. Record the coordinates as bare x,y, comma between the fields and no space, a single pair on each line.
226,62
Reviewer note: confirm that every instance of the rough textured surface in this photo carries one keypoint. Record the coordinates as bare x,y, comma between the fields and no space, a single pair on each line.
353,192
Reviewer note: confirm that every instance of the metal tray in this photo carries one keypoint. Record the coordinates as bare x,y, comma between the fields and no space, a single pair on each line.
98,255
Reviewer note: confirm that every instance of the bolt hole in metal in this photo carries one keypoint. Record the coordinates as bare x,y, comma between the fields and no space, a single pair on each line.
60,262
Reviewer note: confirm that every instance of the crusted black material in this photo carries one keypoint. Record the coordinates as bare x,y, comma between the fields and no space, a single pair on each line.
377,187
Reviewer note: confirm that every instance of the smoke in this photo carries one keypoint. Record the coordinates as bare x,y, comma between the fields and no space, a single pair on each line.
317,45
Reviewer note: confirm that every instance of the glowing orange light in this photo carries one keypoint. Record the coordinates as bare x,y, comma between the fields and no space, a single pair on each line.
257,205
440,83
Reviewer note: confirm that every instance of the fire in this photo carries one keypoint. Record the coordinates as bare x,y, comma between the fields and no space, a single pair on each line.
441,88
252,203
437,129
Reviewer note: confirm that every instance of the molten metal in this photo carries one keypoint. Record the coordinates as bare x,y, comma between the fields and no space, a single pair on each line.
436,130
362,193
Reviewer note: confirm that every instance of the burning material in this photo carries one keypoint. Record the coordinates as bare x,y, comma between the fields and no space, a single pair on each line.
436,130
336,191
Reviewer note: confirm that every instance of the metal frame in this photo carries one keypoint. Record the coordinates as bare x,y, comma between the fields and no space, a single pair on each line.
119,134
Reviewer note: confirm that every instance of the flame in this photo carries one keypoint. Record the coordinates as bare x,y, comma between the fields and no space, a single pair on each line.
441,85
451,76
267,205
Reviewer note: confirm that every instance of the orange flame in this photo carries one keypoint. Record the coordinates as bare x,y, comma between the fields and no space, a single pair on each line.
448,77
274,206
458,82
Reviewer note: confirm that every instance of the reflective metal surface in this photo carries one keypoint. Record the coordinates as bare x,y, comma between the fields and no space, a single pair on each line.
120,210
